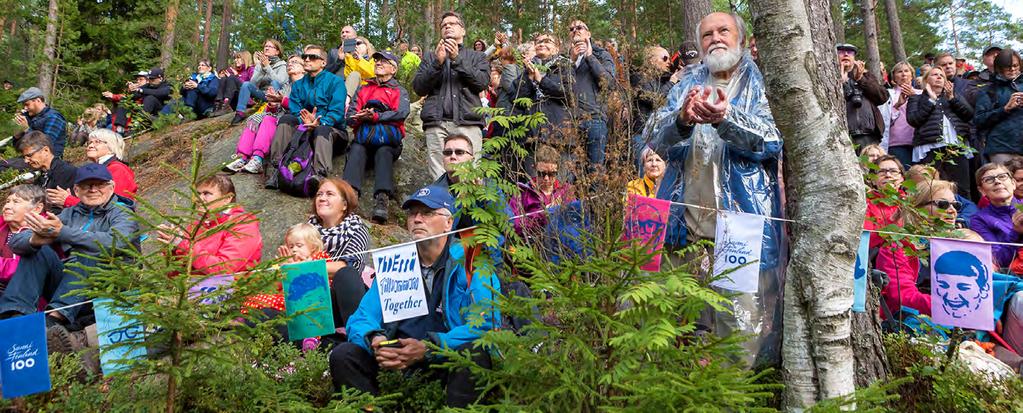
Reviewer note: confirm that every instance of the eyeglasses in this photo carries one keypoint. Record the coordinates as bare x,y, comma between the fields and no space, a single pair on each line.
96,142
30,154
943,204
86,186
989,180
269,46
359,43
311,56
426,213
889,171
544,40
578,27
546,174
458,152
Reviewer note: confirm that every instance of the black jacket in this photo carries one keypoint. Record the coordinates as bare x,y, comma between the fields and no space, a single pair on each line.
456,84
61,174
872,95
651,92
161,91
595,74
926,117
550,96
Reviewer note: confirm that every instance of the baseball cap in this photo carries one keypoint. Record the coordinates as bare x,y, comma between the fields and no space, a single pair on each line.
990,49
155,73
29,94
383,54
690,54
93,171
847,47
142,73
433,196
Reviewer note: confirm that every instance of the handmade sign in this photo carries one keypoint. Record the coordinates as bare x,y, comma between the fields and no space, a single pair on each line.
212,290
115,333
25,370
739,238
646,219
307,300
400,284
961,279
860,274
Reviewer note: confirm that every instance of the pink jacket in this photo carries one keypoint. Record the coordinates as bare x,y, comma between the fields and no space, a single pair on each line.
7,264
902,273
226,252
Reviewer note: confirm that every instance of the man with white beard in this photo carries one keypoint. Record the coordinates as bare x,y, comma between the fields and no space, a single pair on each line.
722,148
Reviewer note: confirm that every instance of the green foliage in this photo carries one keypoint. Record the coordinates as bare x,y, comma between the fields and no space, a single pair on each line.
179,113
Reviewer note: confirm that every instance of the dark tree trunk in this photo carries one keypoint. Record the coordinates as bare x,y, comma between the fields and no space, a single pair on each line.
224,43
692,12
797,53
891,8
871,360
167,42
870,37
45,78
206,31
838,19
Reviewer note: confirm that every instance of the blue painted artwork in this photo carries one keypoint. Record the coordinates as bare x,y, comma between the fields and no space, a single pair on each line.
307,300
120,338
860,274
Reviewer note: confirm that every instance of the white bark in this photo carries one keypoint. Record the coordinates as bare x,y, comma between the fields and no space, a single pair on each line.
825,196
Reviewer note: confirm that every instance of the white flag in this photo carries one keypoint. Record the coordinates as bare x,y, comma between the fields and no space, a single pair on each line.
737,247
400,283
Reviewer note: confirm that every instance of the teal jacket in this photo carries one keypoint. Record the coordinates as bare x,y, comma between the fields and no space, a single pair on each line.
326,92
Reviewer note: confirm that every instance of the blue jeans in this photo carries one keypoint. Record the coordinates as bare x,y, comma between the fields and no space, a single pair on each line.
596,140
249,90
904,154
43,275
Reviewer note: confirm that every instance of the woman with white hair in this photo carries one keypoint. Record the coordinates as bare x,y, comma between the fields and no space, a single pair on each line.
107,147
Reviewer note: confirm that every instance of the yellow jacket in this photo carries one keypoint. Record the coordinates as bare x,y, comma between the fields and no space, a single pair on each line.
642,187
363,66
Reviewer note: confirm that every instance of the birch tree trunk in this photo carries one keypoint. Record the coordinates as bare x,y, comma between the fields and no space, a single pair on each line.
223,44
825,198
45,79
167,42
692,12
870,37
891,8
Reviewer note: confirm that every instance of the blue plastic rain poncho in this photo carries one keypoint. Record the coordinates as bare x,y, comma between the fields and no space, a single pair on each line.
745,150
733,166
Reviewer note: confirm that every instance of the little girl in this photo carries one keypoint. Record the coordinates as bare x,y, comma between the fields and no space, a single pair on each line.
301,243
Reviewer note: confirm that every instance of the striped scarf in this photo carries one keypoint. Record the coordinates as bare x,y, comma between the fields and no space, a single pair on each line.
349,236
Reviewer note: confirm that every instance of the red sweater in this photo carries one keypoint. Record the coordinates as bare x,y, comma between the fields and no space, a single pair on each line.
226,252
902,273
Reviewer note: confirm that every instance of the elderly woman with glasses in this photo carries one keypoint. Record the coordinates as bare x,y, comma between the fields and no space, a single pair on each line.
106,147
270,73
999,221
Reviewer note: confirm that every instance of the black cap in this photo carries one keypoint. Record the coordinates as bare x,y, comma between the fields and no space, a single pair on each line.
990,49
155,73
690,53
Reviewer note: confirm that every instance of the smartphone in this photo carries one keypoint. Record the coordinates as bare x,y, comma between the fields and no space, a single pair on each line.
348,46
391,343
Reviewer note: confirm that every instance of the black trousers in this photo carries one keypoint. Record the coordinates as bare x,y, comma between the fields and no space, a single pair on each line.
347,289
952,168
228,89
352,366
152,105
323,143
383,158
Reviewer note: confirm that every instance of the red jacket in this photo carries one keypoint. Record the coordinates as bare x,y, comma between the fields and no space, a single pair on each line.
902,273
878,217
390,94
124,182
226,252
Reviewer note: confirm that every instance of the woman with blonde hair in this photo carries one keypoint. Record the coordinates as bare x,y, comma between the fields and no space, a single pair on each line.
231,79
942,121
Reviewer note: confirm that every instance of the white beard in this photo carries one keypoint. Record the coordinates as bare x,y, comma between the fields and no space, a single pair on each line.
723,61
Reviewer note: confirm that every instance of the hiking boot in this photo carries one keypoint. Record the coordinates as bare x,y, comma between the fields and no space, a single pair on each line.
380,210
254,166
271,180
238,118
58,338
236,165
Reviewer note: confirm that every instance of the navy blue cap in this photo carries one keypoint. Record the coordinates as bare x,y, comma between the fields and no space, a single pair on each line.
92,171
383,54
433,196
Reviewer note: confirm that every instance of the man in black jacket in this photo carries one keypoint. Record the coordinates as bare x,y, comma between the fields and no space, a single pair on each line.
452,78
863,94
155,94
55,175
594,75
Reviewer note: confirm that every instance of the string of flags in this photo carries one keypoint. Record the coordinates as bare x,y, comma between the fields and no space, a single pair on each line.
961,296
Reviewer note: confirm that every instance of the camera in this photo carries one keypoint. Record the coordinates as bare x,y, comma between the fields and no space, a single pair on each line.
853,94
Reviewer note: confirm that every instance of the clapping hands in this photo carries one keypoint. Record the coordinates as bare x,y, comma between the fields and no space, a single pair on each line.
698,107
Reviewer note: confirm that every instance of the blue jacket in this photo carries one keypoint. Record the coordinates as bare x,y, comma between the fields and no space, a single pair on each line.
457,299
1002,128
326,92
749,164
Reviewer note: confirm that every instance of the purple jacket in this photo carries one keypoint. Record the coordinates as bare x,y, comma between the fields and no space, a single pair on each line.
994,223
246,74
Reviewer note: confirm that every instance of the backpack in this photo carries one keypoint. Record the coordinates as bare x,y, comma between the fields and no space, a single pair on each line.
378,134
295,170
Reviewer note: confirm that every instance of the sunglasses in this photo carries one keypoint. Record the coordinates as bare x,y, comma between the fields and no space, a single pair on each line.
359,43
578,27
311,56
943,204
546,174
459,152
664,58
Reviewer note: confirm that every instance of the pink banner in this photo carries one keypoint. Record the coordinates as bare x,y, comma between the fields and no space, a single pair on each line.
646,219
961,279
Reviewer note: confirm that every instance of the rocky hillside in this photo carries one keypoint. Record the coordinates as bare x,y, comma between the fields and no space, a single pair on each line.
157,156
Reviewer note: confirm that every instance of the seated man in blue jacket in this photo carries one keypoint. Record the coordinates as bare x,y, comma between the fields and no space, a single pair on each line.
49,244
316,105
450,295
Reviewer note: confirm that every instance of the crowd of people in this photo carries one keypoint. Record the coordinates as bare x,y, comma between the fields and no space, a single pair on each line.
702,133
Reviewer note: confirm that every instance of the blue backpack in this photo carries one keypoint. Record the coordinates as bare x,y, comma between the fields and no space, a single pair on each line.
295,171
